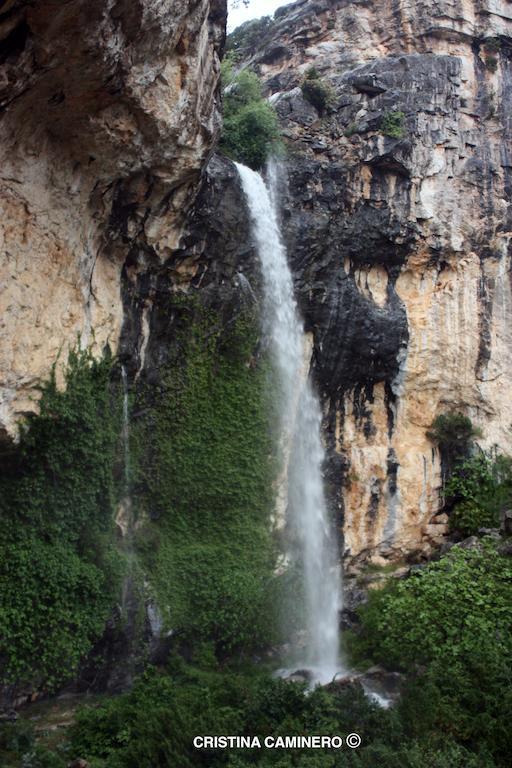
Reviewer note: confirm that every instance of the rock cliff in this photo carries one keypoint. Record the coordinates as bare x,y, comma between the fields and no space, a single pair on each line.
108,110
398,222
396,215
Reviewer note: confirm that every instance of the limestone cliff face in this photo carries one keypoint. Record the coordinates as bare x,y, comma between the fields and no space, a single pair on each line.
108,110
400,245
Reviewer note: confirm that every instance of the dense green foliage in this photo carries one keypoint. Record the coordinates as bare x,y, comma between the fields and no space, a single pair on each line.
392,124
248,35
316,91
153,726
448,627
206,479
477,486
451,626
251,131
479,489
58,569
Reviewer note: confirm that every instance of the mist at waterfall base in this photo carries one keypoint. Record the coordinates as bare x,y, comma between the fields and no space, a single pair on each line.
310,541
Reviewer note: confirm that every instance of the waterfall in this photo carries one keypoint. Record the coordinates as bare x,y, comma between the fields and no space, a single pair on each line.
300,423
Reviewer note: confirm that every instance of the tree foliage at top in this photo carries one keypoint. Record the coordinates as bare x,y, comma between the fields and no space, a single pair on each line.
248,35
251,131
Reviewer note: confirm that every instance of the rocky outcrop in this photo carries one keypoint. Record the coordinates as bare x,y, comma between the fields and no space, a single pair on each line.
108,110
398,223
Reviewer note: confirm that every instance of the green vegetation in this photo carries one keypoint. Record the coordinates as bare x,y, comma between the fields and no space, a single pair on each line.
205,477
59,572
479,489
316,91
491,63
455,434
392,124
450,627
447,627
248,35
251,131
491,48
153,726
20,749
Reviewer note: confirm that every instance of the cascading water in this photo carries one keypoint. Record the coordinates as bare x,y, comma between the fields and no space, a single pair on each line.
300,429
126,433
124,517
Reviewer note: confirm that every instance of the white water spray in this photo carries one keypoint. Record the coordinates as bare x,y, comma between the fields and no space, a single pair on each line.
300,428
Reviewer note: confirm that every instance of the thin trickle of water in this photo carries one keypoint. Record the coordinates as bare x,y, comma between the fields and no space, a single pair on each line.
125,435
307,518
124,516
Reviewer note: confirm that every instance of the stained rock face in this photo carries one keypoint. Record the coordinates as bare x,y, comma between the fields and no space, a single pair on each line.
398,223
108,110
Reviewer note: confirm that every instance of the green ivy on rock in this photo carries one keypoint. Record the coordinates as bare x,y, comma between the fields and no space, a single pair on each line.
59,571
205,483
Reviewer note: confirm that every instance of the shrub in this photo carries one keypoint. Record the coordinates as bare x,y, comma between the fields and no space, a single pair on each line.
248,35
154,724
491,48
455,434
19,748
451,625
59,571
392,124
491,63
316,91
251,131
479,489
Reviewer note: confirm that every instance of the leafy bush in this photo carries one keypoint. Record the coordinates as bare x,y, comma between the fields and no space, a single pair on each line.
154,725
58,568
479,489
454,432
316,91
450,624
251,130
491,63
248,35
392,124
455,435
19,749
